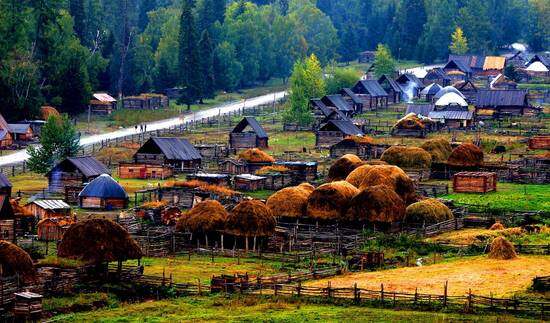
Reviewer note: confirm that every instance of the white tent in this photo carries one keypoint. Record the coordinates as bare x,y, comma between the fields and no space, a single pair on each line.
451,98
537,67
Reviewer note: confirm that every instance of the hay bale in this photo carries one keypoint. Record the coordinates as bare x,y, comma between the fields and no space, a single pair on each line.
377,203
255,155
330,201
14,260
428,211
289,202
407,157
207,216
502,249
343,166
440,149
356,177
97,241
393,177
497,226
466,155
250,218
306,187
48,111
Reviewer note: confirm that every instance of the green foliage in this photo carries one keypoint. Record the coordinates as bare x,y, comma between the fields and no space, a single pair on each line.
384,64
228,69
188,54
206,66
459,43
340,78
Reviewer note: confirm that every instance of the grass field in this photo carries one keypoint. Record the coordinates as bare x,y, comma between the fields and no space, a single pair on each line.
481,236
480,274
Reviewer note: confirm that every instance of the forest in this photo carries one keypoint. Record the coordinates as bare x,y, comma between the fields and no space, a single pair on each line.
58,52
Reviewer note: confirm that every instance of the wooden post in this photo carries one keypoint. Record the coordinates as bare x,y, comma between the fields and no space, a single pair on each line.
445,293
355,293
469,303
382,293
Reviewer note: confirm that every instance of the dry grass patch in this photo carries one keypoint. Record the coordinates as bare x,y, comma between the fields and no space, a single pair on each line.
474,236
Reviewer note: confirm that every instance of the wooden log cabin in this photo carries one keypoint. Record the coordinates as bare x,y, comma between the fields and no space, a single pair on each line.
6,138
21,131
249,182
175,152
335,131
7,219
394,90
301,171
501,103
102,103
103,193
474,182
5,185
468,89
323,113
42,209
75,172
456,70
52,229
248,133
352,99
409,80
146,101
232,166
371,93
360,148
437,76
338,102
277,181
144,171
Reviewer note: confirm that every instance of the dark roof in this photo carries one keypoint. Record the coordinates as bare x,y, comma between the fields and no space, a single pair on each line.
253,123
88,166
104,187
337,101
472,61
431,89
408,77
541,58
4,181
19,128
345,126
371,87
461,85
499,98
458,65
328,112
436,73
171,148
6,210
393,84
348,92
451,115
420,109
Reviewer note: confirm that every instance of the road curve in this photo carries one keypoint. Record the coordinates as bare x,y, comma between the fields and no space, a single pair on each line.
22,156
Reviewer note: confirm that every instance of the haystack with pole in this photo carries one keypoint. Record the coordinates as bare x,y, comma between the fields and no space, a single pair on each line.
378,204
330,201
342,167
251,218
391,176
290,202
407,157
16,261
502,249
428,211
440,149
206,218
466,154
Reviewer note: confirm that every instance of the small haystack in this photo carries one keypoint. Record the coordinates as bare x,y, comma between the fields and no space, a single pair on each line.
427,211
276,169
47,111
207,216
377,204
14,260
343,166
410,122
290,202
502,249
98,241
255,155
251,218
497,226
466,155
407,157
330,201
440,149
361,140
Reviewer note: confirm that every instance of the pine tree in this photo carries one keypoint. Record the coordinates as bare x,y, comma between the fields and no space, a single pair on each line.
459,43
206,67
384,64
188,54
76,9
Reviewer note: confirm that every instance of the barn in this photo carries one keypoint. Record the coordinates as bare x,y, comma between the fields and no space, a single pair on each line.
352,99
74,171
248,133
102,103
169,151
499,103
43,209
5,185
144,171
52,229
323,113
335,131
146,101
21,131
232,166
391,87
7,219
103,193
371,93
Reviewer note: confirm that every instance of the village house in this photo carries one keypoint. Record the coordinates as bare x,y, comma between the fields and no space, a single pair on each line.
501,82
366,56
144,171
352,99
516,59
468,89
103,193
146,101
170,151
394,90
74,172
5,185
6,138
371,93
430,91
43,209
52,229
323,113
232,166
21,131
499,103
538,66
334,131
437,75
248,133
453,119
337,101
102,103
409,82
301,171
480,65
249,182
420,109
456,70
7,219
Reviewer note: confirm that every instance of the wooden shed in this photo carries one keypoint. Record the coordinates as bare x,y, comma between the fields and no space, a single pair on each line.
391,87
213,179
103,193
323,113
409,80
5,185
438,76
335,131
301,171
7,219
539,142
169,151
232,166
352,99
503,102
28,307
146,101
52,229
371,93
43,209
249,182
358,147
21,131
75,172
102,103
474,182
338,102
248,134
6,138
144,171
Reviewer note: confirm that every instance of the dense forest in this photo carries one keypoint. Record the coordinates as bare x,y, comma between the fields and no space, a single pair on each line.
59,51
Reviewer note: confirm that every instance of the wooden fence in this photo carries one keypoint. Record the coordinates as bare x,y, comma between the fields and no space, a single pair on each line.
541,284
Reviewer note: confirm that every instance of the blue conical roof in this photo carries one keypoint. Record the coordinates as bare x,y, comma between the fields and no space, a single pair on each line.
104,186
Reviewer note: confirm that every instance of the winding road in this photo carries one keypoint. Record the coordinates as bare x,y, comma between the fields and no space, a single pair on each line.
22,156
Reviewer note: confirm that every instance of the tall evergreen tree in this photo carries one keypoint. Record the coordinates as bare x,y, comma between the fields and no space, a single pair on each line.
188,54
409,23
474,19
76,9
206,67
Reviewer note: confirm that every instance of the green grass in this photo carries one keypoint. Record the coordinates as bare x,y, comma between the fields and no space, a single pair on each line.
80,301
532,86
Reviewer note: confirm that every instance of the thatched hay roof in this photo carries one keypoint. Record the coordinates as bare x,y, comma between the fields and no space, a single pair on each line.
343,166
207,216
440,149
330,201
255,155
250,218
361,140
14,260
98,241
410,122
377,204
276,169
393,177
289,202
407,157
502,249
428,211
466,155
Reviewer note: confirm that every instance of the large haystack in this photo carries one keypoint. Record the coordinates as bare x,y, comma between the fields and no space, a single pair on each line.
356,177
410,122
378,204
330,201
14,260
207,216
275,169
343,166
466,155
255,155
440,149
502,249
289,202
428,211
393,177
407,157
47,111
98,241
249,219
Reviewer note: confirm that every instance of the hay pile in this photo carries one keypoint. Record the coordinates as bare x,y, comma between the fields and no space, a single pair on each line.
330,201
203,186
428,211
154,205
277,169
356,177
255,155
207,216
391,176
439,149
343,166
14,260
466,155
289,202
377,203
502,249
497,226
410,122
306,187
361,140
250,218
97,241
47,111
407,157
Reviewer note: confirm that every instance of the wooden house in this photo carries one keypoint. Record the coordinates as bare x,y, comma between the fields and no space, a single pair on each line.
7,219
277,181
323,113
493,65
42,209
456,70
410,81
499,103
394,90
6,138
52,229
538,66
366,56
334,131
437,76
430,91
453,119
480,65
501,82
338,102
248,182
474,182
248,134
421,110
468,89
5,185
103,193
516,59
301,171
360,148
102,103
212,151
21,131
74,171
232,166
213,179
170,151
174,93
144,171
539,142
146,101
371,94
352,99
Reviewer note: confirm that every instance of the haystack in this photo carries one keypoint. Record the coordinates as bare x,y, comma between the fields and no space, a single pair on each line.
47,111
502,249
355,178
330,201
393,177
440,149
98,241
410,122
250,218
276,169
427,211
207,216
290,202
466,155
407,157
378,204
14,260
255,155
361,140
497,226
306,187
343,166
